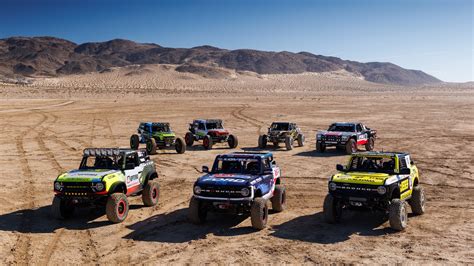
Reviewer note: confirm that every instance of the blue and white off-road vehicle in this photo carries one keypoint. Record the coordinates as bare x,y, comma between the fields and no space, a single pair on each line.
239,183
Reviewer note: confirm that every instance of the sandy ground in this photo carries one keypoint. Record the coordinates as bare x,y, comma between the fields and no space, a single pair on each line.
45,127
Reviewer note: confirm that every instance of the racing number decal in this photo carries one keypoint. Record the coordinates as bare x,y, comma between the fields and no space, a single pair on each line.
363,136
404,185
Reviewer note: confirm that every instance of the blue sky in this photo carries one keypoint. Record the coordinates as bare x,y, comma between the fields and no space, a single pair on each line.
435,36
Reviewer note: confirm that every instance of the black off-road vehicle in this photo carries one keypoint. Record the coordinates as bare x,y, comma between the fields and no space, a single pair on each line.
282,132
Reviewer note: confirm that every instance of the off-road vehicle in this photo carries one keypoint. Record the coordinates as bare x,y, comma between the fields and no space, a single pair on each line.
383,181
279,132
156,135
106,177
239,183
346,136
210,131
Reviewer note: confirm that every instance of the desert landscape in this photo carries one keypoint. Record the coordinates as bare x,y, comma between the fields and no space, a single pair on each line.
48,120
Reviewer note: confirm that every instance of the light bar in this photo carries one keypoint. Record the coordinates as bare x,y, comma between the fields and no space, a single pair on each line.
101,152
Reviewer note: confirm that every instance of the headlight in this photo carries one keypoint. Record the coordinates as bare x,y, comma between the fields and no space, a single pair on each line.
381,190
344,138
318,137
197,190
99,186
332,186
245,192
58,186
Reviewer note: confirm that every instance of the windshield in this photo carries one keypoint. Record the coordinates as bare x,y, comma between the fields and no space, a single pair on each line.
236,166
372,164
160,128
280,126
342,127
214,125
100,162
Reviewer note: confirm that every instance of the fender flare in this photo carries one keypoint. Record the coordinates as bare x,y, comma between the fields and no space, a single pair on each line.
115,187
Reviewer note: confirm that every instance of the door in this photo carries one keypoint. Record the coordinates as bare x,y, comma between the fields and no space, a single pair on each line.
133,175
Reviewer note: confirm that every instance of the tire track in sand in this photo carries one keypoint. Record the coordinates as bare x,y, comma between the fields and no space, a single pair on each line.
23,243
238,114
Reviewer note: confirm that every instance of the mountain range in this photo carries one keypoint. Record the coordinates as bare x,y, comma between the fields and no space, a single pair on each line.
50,56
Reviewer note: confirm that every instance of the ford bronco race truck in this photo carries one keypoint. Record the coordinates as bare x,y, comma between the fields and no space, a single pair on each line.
106,177
156,135
346,136
210,131
239,183
383,181
280,132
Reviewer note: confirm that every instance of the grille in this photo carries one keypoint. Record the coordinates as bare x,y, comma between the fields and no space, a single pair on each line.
356,190
221,192
332,138
168,140
77,187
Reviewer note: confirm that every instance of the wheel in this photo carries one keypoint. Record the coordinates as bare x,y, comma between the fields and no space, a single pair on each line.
207,142
351,146
61,208
262,141
332,209
117,208
197,212
232,141
134,141
417,201
289,143
369,146
320,147
279,198
179,146
151,146
301,140
189,139
397,214
259,213
151,193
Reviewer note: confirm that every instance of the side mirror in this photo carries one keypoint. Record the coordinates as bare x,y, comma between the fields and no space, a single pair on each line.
205,169
340,167
405,171
129,166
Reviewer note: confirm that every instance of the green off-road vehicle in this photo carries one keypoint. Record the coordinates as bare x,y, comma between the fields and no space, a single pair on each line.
384,181
156,135
106,177
279,132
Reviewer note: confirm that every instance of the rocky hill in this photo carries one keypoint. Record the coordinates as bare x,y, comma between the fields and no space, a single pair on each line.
49,56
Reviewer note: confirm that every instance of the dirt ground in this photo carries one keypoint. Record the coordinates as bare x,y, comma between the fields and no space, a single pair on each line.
45,128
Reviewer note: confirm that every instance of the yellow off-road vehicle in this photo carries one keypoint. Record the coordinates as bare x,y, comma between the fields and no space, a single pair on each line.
385,181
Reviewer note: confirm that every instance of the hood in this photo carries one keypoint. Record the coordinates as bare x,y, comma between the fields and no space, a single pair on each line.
334,133
164,134
364,178
278,132
225,179
93,175
218,131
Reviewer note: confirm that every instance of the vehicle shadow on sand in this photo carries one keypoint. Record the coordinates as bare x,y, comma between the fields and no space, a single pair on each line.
267,149
312,228
174,227
40,220
327,153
